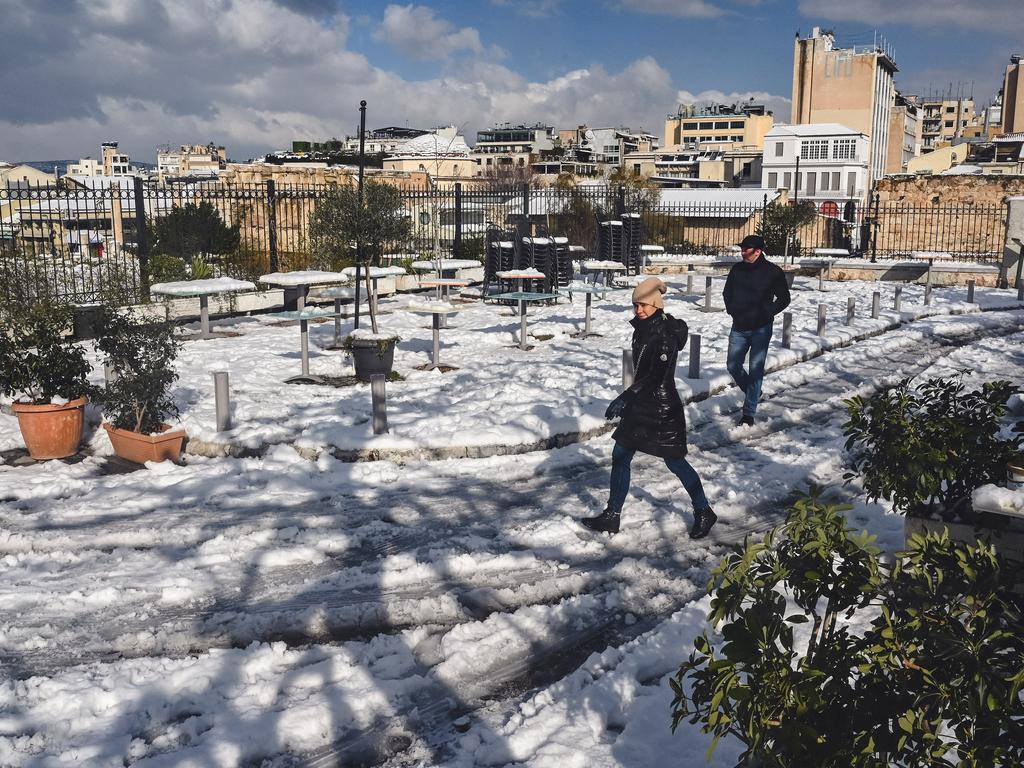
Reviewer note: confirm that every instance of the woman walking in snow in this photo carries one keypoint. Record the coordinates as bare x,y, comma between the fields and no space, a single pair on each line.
653,418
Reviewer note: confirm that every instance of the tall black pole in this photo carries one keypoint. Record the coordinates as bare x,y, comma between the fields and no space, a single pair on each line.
359,240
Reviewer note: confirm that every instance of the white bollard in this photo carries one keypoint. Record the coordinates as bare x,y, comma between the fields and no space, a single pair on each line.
627,368
821,319
970,291
876,304
851,310
897,298
787,330
707,294
380,406
222,398
928,295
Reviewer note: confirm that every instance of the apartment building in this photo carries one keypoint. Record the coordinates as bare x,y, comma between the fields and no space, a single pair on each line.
853,86
114,163
506,147
826,163
904,134
444,157
388,140
719,126
191,160
943,120
1013,97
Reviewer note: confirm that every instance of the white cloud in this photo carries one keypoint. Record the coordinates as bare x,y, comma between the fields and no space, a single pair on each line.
196,76
537,9
682,8
1002,17
418,32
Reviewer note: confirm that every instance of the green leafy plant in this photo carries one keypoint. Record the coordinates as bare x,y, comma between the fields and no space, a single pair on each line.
780,223
194,230
830,658
166,269
927,449
141,353
199,269
37,362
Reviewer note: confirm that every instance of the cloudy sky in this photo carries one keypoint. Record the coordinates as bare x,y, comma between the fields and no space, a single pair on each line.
255,74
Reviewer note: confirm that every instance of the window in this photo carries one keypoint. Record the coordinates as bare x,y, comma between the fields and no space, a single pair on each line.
814,149
799,181
721,126
835,180
636,168
787,179
773,180
721,138
736,124
950,110
778,149
963,123
707,126
844,149
948,123
737,138
851,184
811,178
690,127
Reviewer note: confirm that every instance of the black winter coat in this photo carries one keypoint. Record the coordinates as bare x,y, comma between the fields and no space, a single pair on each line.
755,293
654,421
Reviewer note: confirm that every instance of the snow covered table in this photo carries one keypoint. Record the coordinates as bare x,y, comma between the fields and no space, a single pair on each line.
521,275
439,310
589,289
648,252
374,274
441,266
304,316
302,280
607,269
523,297
442,284
203,289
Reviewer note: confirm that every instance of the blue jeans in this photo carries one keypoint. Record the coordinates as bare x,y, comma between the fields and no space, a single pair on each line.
622,457
756,342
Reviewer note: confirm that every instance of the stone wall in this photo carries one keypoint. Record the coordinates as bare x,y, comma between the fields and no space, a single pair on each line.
973,189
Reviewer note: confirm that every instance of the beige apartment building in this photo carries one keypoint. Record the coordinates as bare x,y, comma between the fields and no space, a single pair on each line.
944,120
904,134
852,86
1013,97
191,159
718,126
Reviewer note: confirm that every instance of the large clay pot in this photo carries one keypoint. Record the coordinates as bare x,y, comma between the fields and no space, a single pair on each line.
140,448
372,356
51,431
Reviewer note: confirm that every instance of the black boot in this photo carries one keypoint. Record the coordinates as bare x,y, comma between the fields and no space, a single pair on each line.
606,522
703,519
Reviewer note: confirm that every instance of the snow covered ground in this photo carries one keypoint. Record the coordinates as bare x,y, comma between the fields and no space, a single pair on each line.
279,610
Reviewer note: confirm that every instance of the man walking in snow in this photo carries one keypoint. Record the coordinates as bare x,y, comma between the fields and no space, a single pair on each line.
755,292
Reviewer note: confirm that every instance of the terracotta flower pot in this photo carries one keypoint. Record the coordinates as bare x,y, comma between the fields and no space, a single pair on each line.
51,431
140,448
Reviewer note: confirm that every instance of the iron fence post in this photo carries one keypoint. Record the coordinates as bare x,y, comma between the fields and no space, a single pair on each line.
457,244
272,223
141,238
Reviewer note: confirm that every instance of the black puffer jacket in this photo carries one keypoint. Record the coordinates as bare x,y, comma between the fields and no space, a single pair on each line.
654,421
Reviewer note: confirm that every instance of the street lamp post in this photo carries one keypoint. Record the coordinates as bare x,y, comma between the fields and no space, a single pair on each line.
359,239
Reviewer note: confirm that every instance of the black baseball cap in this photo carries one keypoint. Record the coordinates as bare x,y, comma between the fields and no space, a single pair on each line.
752,241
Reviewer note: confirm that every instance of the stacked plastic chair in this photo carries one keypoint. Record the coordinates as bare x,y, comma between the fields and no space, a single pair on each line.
499,255
631,242
562,267
538,252
609,241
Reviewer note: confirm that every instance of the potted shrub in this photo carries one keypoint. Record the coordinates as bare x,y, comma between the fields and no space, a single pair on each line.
343,218
926,449
140,353
45,373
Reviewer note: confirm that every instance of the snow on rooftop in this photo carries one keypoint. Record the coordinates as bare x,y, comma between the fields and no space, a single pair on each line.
812,129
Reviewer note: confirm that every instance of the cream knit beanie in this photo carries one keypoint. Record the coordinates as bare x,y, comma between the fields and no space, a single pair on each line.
649,292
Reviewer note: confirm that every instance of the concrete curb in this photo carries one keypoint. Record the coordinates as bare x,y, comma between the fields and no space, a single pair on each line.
212,450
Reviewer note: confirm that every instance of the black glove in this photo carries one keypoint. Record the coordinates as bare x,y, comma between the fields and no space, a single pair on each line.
616,407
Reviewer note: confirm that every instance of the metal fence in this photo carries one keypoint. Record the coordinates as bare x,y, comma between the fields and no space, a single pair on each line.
108,242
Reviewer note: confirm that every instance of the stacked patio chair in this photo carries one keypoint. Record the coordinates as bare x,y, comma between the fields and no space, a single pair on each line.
562,267
538,253
631,242
609,241
499,255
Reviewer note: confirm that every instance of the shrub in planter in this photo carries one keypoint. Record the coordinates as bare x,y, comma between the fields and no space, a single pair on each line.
141,354
45,373
916,663
926,449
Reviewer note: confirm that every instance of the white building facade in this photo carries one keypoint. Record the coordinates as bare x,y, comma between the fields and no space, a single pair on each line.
825,163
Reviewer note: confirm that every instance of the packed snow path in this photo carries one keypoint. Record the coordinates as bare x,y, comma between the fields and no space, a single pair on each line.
321,613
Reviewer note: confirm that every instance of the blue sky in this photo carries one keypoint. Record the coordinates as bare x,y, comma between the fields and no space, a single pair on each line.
255,74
